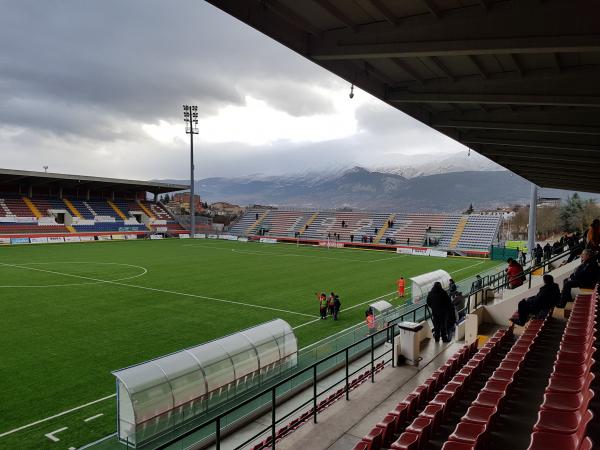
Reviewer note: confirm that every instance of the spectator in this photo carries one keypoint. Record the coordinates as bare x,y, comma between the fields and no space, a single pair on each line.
585,276
538,252
514,272
451,287
547,298
407,241
256,216
351,238
459,305
547,252
593,236
370,239
477,284
522,258
375,231
442,311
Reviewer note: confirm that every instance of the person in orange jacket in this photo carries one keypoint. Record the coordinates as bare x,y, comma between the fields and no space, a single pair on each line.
401,287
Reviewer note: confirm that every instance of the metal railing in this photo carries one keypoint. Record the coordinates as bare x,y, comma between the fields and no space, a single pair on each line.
268,398
500,281
308,376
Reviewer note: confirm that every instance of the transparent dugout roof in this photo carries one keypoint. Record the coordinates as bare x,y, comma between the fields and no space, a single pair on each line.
155,387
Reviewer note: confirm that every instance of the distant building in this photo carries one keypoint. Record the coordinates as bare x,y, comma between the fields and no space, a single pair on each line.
227,208
547,202
184,201
505,213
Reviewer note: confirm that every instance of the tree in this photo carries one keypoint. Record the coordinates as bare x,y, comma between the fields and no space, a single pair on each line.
571,214
470,209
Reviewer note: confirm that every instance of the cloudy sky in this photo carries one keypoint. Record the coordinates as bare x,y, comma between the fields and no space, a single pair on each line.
96,88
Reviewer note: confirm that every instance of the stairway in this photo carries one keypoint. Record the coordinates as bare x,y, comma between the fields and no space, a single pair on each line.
256,223
460,227
71,229
146,210
308,222
72,208
117,210
383,229
36,212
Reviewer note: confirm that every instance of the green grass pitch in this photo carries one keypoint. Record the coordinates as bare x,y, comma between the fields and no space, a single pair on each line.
72,313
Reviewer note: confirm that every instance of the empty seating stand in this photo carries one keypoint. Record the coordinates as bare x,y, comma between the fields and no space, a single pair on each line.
479,233
412,421
564,414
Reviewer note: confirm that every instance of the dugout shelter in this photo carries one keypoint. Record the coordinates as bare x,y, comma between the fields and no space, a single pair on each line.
422,284
155,396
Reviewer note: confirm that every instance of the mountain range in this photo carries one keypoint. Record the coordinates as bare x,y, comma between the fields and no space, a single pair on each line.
361,189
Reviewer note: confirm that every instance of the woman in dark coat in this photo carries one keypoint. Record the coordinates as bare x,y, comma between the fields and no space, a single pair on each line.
442,311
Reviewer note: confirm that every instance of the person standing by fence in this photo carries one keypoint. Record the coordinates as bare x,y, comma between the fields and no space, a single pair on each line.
370,320
401,286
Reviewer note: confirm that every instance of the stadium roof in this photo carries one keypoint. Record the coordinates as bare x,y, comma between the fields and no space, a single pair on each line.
515,80
26,177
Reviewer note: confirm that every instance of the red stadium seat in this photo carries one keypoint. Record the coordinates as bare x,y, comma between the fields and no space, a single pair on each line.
406,441
374,439
471,433
422,427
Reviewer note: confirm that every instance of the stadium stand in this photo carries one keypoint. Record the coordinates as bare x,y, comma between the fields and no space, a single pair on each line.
538,382
246,221
478,231
62,207
457,232
286,224
15,207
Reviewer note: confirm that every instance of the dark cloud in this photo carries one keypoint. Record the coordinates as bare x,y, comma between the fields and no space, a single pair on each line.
140,60
79,78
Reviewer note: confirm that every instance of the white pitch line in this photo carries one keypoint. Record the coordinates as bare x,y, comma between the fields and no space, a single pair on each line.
54,438
113,395
6,433
89,419
380,297
147,288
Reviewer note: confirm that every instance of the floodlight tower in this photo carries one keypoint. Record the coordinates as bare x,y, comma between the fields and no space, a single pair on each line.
190,117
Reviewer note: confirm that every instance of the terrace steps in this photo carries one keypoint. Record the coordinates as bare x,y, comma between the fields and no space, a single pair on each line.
36,212
72,208
462,223
257,222
71,229
308,222
117,210
146,210
383,228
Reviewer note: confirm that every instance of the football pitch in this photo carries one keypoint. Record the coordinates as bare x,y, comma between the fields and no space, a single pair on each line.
72,313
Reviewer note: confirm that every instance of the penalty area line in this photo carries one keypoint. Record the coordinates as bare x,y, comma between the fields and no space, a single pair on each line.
37,422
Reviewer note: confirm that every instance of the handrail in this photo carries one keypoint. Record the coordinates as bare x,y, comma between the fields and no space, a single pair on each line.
492,280
421,312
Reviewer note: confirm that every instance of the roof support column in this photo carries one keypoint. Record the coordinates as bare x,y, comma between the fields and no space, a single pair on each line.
532,220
